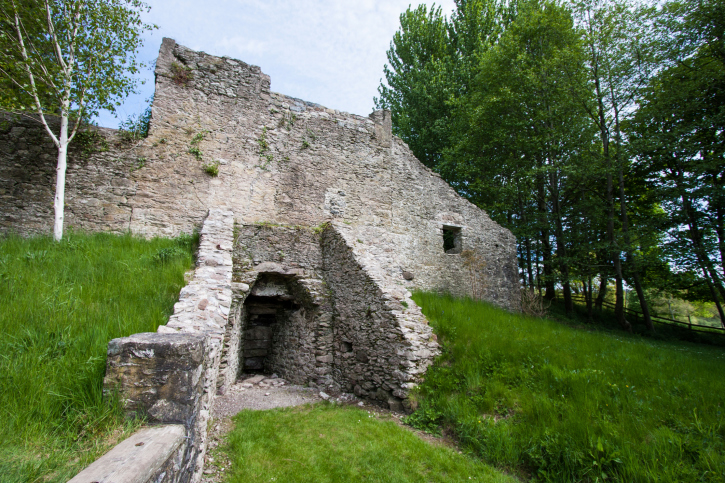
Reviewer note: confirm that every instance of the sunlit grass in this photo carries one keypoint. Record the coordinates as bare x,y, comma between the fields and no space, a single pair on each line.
566,404
328,444
61,305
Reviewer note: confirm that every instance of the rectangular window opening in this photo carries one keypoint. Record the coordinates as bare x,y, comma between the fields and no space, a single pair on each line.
452,240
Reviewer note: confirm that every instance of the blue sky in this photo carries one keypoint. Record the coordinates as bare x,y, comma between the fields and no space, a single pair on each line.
325,51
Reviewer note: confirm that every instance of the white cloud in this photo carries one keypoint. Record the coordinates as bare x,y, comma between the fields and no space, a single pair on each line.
325,51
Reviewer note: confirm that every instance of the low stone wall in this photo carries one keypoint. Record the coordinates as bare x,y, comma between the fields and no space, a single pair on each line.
171,376
150,455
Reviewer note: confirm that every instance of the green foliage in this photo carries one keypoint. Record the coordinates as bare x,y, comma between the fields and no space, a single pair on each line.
591,129
62,303
196,152
678,133
181,74
135,128
89,141
430,64
140,163
264,150
199,137
212,169
565,404
305,144
287,121
104,36
426,419
320,228
325,443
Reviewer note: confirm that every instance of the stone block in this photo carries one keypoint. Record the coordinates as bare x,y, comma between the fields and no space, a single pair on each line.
157,375
149,454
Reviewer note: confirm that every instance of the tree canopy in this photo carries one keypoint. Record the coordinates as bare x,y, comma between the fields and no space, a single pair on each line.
69,58
593,129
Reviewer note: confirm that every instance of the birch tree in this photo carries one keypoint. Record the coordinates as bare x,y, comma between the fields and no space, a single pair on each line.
70,59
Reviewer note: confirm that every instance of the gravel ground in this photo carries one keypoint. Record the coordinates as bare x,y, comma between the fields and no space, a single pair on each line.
239,398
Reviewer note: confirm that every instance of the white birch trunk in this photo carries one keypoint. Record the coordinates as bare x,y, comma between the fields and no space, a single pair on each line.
59,201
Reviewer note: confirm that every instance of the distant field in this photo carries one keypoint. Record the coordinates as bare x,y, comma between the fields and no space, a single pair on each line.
61,304
556,403
328,444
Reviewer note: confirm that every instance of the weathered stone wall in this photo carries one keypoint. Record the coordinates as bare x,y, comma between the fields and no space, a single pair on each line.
342,329
382,342
291,258
282,160
99,183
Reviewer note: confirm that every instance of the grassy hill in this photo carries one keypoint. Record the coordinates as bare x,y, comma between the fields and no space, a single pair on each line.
556,403
61,303
536,398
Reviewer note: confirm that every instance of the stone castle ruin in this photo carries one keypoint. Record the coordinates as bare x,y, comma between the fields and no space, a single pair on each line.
315,231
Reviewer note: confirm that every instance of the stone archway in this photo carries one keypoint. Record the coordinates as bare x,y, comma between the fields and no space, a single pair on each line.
279,329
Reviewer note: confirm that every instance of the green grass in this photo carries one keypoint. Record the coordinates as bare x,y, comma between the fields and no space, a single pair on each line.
61,305
557,403
330,444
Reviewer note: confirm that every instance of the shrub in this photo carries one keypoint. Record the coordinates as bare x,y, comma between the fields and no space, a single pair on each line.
212,169
181,74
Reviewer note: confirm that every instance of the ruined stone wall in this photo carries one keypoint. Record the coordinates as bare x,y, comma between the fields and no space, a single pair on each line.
344,330
382,342
282,160
172,375
98,187
292,256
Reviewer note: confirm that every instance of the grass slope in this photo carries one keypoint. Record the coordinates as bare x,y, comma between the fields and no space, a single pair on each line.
328,444
563,404
61,305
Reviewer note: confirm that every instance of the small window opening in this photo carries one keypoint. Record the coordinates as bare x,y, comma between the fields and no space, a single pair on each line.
451,239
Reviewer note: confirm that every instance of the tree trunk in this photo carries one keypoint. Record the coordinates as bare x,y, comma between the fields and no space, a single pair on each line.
603,281
589,296
549,288
625,227
643,302
59,200
710,274
614,252
561,244
616,260
528,263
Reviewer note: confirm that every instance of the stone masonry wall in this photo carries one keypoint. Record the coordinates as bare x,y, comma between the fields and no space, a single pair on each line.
353,333
382,341
282,160
291,254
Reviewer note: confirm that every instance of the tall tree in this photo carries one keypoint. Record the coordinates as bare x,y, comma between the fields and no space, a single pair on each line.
71,58
679,131
618,64
523,138
431,62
